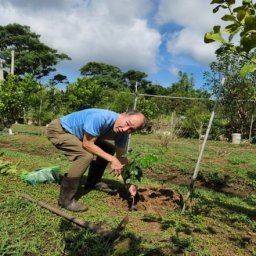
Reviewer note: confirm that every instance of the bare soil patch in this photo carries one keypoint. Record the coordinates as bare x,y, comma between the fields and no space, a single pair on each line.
176,177
150,200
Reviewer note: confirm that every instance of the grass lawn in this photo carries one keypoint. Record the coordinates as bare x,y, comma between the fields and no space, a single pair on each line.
221,219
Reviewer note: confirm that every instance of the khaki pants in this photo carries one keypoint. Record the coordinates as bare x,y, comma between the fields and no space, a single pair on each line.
72,148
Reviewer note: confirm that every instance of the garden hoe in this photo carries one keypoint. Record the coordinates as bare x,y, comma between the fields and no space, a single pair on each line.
110,236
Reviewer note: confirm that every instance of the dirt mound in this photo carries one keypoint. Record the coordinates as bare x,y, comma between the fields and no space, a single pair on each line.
154,200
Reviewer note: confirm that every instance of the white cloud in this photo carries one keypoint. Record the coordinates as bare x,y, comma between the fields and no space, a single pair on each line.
124,33
111,31
190,43
193,13
196,18
38,5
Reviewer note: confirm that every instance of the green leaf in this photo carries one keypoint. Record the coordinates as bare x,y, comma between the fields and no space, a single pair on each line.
247,1
216,9
217,1
131,173
230,2
247,33
248,43
228,17
239,8
138,174
241,15
232,34
214,36
250,22
231,28
248,68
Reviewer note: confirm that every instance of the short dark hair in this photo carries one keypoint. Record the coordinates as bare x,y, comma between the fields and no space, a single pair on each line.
136,112
133,112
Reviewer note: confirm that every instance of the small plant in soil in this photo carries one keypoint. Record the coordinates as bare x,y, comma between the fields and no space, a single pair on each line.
133,171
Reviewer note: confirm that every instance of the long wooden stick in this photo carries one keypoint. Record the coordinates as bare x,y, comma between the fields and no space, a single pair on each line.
110,235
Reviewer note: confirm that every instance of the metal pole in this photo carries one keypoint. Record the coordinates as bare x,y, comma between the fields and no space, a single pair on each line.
12,63
135,96
250,133
193,179
1,70
134,108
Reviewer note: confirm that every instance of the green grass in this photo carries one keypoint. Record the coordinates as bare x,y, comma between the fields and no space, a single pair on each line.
217,223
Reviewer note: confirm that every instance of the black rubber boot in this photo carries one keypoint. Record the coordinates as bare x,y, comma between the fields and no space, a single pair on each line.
97,168
68,190
95,174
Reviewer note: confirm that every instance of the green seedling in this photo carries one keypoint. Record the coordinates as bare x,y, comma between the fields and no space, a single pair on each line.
133,171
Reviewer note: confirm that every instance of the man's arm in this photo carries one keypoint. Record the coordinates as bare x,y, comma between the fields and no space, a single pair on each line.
90,146
132,189
120,152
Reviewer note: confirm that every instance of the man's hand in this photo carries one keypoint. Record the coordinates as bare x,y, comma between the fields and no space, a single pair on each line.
124,160
116,166
132,190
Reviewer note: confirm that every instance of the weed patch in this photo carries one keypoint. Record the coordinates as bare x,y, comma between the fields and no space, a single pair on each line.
218,222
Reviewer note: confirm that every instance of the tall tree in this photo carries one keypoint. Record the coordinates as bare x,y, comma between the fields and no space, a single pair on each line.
238,95
31,55
132,76
184,86
107,76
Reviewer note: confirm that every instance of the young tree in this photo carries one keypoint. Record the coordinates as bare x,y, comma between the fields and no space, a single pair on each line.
85,93
45,105
242,21
31,55
15,95
196,120
116,100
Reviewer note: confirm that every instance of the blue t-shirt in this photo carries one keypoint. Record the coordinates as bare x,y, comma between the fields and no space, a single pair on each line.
96,122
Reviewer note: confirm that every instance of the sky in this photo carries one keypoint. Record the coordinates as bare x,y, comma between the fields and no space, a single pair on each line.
158,37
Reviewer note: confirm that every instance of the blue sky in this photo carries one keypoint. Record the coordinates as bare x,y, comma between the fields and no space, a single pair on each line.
159,37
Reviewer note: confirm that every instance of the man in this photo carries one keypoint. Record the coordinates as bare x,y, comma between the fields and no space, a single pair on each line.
81,136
